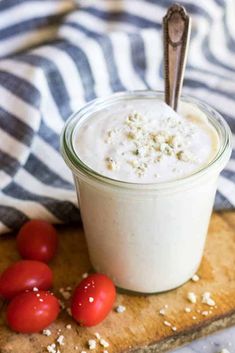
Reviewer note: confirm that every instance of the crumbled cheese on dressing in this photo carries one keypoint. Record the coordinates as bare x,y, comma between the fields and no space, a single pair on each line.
111,163
149,145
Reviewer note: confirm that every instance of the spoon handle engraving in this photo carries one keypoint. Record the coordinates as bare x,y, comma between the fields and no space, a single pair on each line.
176,33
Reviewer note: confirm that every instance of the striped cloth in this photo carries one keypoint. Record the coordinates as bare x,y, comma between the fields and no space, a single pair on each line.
58,54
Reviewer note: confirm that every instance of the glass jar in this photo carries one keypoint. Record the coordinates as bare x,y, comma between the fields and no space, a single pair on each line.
147,237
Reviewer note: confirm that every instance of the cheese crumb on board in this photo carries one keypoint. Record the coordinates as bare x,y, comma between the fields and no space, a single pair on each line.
120,309
85,275
69,311
195,278
104,343
97,335
167,323
91,344
68,327
60,340
46,332
162,311
62,304
205,313
187,310
65,293
192,297
206,299
51,348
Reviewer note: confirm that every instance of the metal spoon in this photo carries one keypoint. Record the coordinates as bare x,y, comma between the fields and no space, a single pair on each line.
176,33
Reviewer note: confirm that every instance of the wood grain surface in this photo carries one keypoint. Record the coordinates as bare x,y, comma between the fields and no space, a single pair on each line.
141,327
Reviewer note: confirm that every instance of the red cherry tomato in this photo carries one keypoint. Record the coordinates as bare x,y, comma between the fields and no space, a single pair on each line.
37,240
93,299
25,274
31,312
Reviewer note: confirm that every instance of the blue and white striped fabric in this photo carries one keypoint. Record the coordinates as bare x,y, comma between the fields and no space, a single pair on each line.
58,54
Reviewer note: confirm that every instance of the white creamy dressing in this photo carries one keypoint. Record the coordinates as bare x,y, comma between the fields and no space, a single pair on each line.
146,241
145,141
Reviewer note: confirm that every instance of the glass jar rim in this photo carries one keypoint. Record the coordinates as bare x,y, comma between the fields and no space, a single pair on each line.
79,167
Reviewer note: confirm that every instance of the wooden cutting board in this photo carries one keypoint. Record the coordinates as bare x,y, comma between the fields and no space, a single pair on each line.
141,327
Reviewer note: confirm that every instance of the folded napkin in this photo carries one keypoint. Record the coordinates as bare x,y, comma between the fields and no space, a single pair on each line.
58,54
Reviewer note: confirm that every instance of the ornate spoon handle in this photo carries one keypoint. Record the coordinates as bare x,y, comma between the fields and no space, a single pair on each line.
176,33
